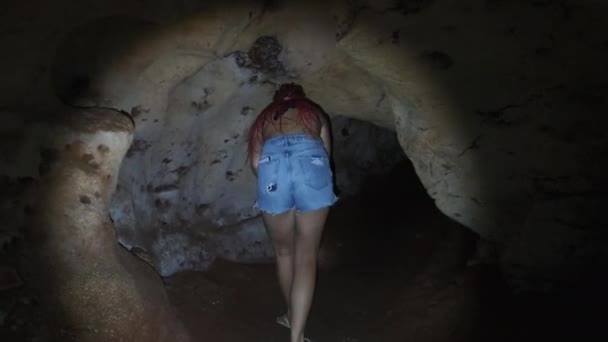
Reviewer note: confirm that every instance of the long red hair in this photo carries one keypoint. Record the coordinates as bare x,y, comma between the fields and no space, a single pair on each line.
289,95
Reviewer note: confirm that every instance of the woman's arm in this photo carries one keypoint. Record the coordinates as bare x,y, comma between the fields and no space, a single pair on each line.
325,133
326,137
255,156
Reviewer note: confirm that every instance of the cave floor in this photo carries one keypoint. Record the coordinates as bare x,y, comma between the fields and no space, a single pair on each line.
411,276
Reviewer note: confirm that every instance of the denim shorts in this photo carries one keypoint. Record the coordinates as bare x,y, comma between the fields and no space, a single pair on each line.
294,173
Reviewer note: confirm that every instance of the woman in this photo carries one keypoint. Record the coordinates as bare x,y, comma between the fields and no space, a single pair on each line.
289,149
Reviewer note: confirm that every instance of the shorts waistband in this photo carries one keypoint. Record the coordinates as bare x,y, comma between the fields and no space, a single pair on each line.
288,139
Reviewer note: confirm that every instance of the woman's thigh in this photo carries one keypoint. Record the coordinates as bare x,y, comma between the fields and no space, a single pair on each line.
281,229
309,229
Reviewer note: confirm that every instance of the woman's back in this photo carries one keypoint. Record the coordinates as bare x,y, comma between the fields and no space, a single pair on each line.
289,123
290,112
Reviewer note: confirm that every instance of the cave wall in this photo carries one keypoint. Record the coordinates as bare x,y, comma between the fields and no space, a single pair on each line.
497,104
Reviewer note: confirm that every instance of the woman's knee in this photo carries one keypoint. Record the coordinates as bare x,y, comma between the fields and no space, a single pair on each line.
306,257
283,249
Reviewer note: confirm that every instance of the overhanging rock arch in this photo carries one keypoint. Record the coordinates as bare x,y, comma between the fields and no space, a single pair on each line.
459,115
345,76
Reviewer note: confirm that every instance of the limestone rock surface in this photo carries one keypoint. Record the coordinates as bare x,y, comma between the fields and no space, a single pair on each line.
497,104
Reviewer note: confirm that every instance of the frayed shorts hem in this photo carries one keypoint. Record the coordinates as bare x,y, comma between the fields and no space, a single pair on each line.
282,211
273,212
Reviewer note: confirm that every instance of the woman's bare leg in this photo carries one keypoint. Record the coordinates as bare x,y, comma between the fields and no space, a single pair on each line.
281,229
309,228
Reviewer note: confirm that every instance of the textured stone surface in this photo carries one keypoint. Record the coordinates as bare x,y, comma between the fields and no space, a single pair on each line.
92,288
497,104
9,279
200,205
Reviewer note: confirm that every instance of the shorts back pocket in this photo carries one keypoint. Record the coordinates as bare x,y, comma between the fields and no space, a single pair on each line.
316,171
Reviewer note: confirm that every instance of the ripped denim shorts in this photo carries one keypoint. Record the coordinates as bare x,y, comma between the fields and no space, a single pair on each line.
294,173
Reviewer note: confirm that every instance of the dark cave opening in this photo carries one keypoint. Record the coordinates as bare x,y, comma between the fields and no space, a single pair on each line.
385,213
